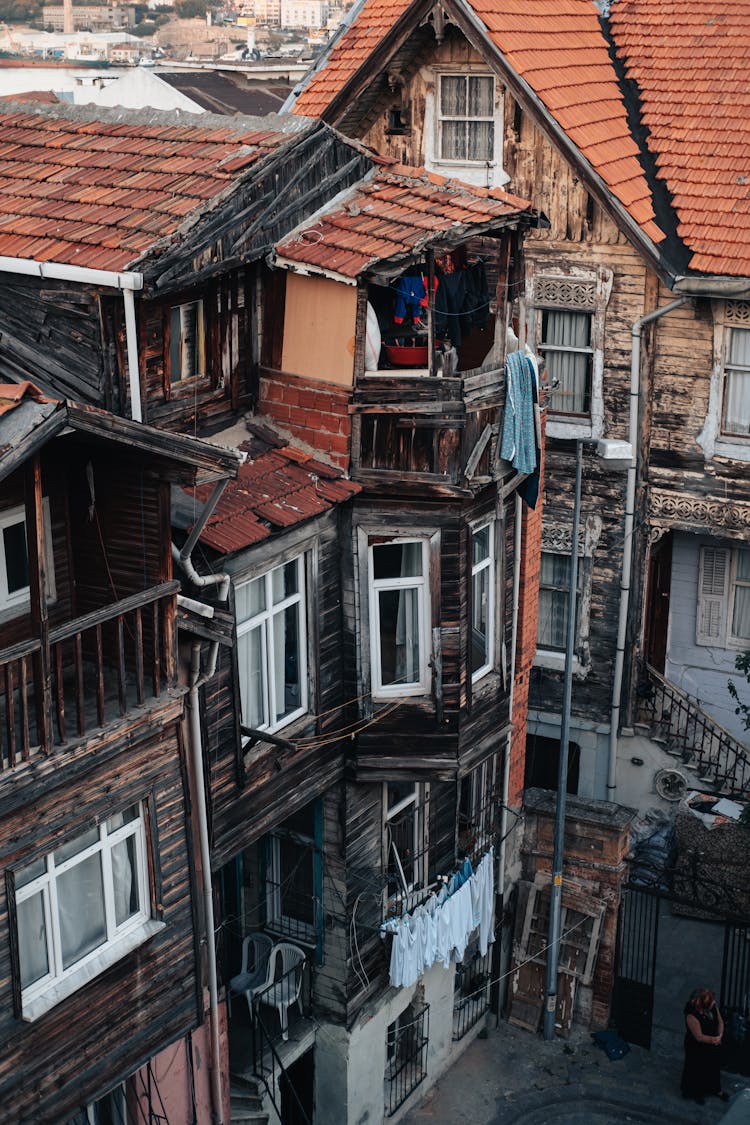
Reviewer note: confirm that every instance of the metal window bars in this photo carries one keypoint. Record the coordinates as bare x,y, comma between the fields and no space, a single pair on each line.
406,1062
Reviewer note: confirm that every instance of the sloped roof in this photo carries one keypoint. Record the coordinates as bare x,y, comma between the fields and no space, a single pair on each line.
558,48
393,216
689,59
100,189
277,487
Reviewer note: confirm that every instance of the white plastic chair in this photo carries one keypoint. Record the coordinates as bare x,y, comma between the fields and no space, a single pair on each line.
248,979
281,989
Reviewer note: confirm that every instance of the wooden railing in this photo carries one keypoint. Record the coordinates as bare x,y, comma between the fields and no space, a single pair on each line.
93,670
688,733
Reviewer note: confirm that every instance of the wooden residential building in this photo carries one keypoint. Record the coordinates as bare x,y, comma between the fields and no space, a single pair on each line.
99,966
634,297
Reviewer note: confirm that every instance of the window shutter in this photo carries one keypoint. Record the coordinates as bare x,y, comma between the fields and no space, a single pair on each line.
713,583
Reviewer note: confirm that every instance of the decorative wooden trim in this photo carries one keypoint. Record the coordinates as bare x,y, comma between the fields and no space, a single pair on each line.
715,515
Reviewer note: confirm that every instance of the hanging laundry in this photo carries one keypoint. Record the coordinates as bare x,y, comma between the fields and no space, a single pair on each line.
519,430
410,295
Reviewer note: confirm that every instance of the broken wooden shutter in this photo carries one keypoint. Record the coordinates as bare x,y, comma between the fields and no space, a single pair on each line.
713,587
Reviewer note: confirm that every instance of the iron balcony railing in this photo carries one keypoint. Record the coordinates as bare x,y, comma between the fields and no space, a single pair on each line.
691,735
291,990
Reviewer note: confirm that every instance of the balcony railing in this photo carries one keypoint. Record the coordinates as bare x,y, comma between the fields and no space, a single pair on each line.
691,735
92,671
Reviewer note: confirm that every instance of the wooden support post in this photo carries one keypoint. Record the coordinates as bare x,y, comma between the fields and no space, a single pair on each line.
35,540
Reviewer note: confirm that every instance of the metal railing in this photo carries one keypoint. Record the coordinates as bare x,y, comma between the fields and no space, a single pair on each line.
407,1057
93,669
471,997
287,990
690,734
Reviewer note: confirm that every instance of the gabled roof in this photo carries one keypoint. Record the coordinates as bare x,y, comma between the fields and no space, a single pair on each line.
558,51
394,216
277,487
101,188
29,419
689,61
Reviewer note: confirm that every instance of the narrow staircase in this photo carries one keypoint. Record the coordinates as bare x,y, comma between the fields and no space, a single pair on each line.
246,1102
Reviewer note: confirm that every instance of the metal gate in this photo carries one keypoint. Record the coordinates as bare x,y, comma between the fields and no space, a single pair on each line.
735,996
635,964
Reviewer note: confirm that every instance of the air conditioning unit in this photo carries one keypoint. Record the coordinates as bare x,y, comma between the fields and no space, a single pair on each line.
671,785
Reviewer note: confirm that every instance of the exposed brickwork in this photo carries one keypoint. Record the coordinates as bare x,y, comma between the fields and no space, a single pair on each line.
313,413
528,604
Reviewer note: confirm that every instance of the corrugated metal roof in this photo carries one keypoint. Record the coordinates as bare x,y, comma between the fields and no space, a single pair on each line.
100,191
277,487
394,215
559,49
689,61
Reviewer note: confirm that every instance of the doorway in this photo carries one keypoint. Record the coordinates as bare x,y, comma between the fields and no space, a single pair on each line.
296,1085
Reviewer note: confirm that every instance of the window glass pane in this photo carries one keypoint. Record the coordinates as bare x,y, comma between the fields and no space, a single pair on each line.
481,93
32,940
739,347
284,581
737,402
555,570
453,140
453,96
127,816
554,582
31,871
250,599
16,557
80,899
743,565
252,673
479,623
175,348
398,791
566,329
399,636
480,544
79,844
286,654
481,140
297,881
397,560
125,883
401,834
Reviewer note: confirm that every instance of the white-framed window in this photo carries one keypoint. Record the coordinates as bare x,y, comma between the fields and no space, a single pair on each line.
482,600
566,314
80,908
568,355
14,561
735,411
187,342
399,617
405,842
272,646
466,118
723,616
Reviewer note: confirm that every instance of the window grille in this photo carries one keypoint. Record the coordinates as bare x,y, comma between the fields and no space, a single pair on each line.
471,997
406,1055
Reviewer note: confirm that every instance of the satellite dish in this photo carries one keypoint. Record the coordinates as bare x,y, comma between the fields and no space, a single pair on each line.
671,785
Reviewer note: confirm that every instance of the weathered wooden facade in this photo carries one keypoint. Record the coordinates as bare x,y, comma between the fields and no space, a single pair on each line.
99,967
611,254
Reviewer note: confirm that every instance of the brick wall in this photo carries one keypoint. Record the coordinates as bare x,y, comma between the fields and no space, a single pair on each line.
313,413
528,604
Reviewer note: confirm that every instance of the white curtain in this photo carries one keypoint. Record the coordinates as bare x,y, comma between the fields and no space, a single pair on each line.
741,609
407,617
32,940
465,100
252,677
123,865
554,583
568,330
737,384
80,899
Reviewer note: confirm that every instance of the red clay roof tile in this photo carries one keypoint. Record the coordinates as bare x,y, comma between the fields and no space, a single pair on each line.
104,193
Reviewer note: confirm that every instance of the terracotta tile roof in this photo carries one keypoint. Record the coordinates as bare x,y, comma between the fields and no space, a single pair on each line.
276,489
689,59
394,215
12,394
559,49
102,191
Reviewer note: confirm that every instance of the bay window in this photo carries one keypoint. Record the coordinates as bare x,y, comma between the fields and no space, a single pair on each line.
271,646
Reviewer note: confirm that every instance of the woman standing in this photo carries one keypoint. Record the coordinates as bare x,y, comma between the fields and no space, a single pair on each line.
704,1029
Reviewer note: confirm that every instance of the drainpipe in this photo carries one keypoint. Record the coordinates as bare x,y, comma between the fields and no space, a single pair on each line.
196,750
627,549
127,282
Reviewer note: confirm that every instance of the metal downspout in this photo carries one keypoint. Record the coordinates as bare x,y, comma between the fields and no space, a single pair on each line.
627,547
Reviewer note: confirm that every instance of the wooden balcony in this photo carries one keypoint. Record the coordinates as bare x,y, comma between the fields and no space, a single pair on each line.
89,673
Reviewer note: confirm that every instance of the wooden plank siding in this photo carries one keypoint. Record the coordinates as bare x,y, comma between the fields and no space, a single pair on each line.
114,1023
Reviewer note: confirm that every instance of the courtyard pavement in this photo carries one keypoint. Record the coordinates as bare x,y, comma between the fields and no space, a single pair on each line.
513,1077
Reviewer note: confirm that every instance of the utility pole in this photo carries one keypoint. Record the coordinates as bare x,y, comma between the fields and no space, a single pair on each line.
555,901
